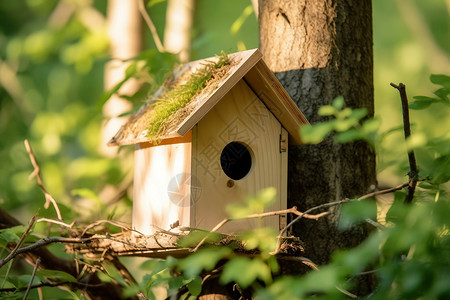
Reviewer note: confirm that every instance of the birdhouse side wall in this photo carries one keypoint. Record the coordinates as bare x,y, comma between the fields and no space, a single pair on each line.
161,195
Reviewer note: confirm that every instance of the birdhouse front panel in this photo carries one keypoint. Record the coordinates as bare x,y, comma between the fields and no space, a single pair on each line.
236,154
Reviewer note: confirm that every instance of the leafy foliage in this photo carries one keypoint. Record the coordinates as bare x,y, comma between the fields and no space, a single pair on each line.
51,99
346,124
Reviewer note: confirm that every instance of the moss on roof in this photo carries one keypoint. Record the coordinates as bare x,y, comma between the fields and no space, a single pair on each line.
179,95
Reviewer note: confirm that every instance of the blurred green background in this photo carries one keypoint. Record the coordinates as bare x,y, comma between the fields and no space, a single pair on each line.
51,82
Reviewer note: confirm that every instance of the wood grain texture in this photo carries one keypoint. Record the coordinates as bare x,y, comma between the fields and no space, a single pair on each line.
154,201
264,84
239,116
245,61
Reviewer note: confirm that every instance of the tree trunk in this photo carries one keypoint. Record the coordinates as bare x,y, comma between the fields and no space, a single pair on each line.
177,33
125,34
320,50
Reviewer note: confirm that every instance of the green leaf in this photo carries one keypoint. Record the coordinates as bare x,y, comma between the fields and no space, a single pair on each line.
327,110
195,236
12,234
154,2
314,134
440,79
55,275
443,95
398,208
344,125
356,212
359,113
338,103
195,286
204,259
244,271
264,239
418,105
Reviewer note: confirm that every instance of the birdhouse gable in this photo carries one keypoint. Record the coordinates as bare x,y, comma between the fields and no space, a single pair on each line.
246,65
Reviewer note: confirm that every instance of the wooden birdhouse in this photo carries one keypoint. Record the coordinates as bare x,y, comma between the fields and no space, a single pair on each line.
231,140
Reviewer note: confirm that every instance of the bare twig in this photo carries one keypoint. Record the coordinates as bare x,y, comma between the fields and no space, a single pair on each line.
12,254
150,25
59,239
117,224
382,192
292,210
36,172
413,172
50,284
56,222
38,261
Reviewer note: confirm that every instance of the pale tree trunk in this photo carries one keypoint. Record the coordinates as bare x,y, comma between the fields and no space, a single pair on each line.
177,33
125,35
320,50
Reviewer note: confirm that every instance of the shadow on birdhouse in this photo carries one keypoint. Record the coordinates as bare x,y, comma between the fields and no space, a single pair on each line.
229,140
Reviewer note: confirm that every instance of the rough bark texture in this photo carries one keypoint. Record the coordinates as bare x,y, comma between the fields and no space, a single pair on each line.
320,50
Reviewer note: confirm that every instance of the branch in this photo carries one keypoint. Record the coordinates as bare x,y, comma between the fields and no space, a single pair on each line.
38,261
56,222
37,172
292,210
413,172
150,25
13,254
50,284
326,205
90,283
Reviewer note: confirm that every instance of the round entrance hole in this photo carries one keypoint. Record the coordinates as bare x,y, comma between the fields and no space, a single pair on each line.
236,160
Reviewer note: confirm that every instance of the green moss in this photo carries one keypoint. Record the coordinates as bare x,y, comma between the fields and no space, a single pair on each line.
180,95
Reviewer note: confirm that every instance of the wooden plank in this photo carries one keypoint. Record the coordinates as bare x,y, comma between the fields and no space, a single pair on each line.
173,140
239,116
246,60
161,186
264,84
283,177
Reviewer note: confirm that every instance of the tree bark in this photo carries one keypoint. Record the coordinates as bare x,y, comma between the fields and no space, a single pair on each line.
320,50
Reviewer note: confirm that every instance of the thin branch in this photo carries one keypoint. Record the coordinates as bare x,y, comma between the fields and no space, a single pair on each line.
38,261
59,239
93,286
382,192
50,284
413,172
56,222
37,172
117,224
150,25
13,254
292,210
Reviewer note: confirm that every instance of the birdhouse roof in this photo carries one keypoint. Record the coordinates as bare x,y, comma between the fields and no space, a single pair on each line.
247,65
